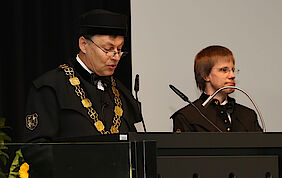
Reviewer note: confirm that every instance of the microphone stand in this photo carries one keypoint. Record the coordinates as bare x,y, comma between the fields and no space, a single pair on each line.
139,106
185,98
136,89
206,103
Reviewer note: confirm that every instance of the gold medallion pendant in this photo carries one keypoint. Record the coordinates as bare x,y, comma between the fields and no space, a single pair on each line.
86,103
74,81
118,111
99,125
114,129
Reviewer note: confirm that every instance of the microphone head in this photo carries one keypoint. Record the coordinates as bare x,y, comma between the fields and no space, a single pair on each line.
179,93
136,85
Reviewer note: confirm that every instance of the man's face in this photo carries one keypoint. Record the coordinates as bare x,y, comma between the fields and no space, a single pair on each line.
221,75
96,59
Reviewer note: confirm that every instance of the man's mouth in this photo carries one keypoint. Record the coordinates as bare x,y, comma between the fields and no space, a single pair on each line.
230,84
112,66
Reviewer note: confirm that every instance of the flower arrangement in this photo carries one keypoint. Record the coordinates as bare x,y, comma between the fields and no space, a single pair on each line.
3,137
19,168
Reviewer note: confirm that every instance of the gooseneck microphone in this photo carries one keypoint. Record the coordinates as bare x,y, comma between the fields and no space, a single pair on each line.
136,89
207,102
180,94
185,98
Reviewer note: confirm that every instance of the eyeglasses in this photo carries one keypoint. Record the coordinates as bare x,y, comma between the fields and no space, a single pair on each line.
109,53
227,70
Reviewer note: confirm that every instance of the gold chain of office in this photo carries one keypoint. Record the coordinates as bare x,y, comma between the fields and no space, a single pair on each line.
74,81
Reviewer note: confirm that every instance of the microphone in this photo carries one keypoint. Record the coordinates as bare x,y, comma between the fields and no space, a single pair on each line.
136,85
207,102
180,94
185,98
136,89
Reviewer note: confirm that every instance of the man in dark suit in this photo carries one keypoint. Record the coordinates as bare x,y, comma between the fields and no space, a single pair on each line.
214,68
82,98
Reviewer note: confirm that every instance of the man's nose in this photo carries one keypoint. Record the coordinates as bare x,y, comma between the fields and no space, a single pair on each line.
232,74
116,56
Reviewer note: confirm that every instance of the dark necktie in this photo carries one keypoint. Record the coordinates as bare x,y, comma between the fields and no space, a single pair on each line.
105,80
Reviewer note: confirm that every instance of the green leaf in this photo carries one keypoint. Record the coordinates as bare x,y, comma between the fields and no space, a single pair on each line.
2,145
4,154
4,136
3,159
17,162
6,127
2,122
14,175
2,175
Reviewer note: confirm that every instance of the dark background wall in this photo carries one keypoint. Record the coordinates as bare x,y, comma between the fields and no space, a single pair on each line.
39,35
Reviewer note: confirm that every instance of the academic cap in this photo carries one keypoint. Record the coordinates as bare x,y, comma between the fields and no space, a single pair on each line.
103,22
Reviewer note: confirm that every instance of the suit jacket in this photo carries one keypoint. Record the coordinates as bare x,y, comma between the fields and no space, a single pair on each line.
188,119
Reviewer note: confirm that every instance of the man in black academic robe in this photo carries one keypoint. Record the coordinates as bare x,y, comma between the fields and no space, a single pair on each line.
81,98
214,68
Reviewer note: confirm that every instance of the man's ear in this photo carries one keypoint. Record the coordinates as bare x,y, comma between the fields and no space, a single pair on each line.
82,42
205,77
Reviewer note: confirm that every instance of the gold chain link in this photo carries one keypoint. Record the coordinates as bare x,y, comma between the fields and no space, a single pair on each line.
74,81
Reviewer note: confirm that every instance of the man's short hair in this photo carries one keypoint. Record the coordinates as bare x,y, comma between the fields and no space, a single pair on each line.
206,59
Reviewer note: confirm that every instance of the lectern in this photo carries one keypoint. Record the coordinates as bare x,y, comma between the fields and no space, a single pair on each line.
168,155
94,156
217,155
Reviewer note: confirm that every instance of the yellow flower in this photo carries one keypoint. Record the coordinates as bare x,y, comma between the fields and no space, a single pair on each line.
23,172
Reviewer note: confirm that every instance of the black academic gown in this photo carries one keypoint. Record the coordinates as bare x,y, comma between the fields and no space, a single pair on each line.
188,119
58,113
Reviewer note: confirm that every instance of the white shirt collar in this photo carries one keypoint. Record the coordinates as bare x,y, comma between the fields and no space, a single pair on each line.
99,84
83,65
224,102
